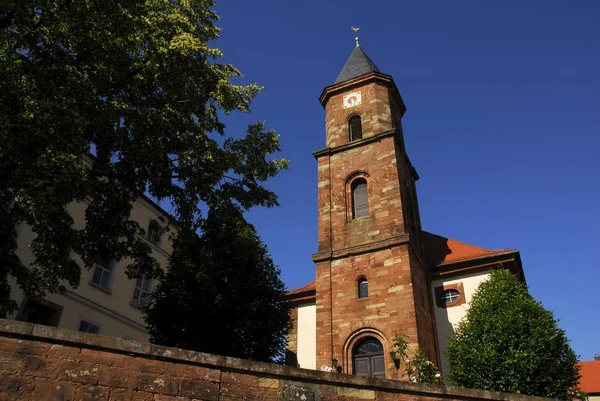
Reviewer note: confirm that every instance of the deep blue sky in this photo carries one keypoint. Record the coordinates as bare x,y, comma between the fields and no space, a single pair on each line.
502,125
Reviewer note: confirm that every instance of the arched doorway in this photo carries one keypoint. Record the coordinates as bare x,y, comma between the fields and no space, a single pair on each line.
368,358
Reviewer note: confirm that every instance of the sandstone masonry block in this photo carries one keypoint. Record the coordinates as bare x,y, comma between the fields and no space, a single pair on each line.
22,346
79,372
144,365
58,351
158,384
120,378
198,389
102,358
14,388
119,394
54,390
162,397
356,393
92,393
193,372
11,362
40,366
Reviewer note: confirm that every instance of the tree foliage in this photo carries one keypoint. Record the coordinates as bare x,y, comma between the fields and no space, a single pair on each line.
508,342
418,369
136,84
222,293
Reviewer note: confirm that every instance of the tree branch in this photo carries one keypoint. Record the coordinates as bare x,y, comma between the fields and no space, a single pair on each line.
118,82
115,175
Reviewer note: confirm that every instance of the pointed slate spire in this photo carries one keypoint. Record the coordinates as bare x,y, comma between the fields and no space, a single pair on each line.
358,64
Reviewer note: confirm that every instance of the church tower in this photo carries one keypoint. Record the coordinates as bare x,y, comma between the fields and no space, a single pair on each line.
371,278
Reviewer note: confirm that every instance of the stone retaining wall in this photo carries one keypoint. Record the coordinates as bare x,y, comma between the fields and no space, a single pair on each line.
39,363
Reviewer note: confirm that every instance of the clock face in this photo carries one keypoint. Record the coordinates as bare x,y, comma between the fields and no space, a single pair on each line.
352,99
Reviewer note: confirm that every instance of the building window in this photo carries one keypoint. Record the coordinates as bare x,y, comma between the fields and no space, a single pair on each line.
355,128
360,199
103,270
363,288
88,327
450,295
154,232
40,311
141,292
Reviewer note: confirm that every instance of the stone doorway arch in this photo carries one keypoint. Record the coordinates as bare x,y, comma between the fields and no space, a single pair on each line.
379,349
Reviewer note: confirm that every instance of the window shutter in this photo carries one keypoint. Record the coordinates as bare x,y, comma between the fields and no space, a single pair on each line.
361,201
355,128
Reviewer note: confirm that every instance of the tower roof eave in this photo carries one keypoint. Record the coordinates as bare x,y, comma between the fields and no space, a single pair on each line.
448,256
337,87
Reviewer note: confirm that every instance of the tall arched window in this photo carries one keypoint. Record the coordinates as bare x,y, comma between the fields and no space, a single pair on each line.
355,128
360,199
363,287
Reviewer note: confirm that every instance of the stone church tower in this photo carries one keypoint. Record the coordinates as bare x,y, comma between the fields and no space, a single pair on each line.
378,274
371,277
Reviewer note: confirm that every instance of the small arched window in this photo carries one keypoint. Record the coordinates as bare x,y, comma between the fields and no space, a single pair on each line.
360,199
363,288
450,295
355,128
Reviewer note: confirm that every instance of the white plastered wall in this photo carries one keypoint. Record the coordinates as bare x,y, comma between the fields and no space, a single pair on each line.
307,336
112,310
447,319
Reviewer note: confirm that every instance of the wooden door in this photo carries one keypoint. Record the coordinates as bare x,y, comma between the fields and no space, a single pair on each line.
368,359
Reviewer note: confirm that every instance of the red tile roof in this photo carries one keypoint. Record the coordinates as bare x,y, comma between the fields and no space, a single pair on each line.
312,286
590,377
441,250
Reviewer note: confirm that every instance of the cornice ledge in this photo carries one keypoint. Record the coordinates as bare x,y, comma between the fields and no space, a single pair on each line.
459,268
357,250
346,85
354,144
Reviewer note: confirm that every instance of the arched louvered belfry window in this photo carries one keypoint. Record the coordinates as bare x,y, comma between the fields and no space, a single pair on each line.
355,128
360,199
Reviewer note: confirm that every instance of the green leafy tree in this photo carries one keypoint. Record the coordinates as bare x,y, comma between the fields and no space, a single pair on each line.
508,342
136,84
222,293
